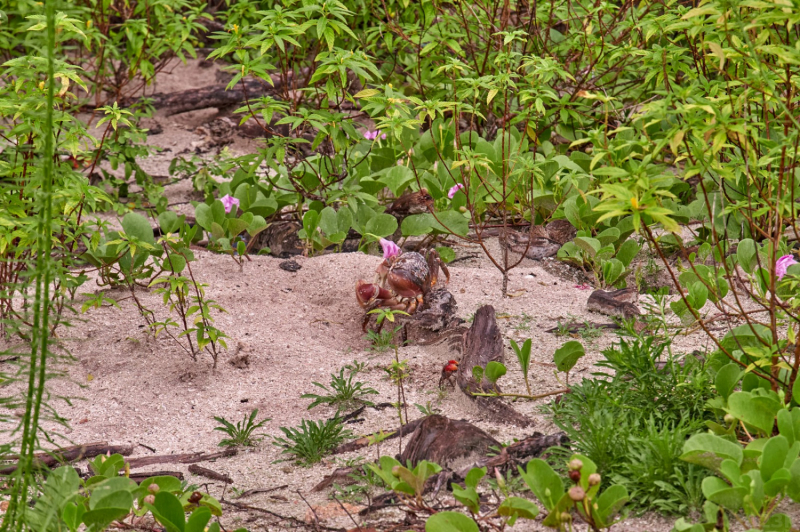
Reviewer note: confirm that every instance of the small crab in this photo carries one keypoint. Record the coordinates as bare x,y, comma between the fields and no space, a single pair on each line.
447,372
402,280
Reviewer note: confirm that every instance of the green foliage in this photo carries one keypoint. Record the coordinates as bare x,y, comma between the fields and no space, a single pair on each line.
633,420
68,503
243,432
597,510
343,392
312,440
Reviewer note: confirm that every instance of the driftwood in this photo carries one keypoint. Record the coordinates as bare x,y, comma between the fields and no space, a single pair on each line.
188,458
447,442
70,454
360,443
208,473
141,477
458,446
483,343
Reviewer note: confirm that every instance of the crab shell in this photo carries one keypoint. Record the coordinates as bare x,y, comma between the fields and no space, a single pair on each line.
409,275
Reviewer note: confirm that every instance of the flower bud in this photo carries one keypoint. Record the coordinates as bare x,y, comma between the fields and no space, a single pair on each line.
153,488
565,517
462,209
594,479
576,493
575,465
150,499
396,471
729,419
575,476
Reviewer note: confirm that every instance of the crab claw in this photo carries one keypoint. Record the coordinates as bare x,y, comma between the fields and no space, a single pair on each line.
405,283
367,293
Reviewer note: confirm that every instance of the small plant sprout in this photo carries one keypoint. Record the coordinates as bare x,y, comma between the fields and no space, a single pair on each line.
343,392
243,432
524,356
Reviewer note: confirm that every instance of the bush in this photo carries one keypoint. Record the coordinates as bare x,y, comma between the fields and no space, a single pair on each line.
632,423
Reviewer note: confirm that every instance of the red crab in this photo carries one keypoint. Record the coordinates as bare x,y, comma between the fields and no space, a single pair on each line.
402,280
447,371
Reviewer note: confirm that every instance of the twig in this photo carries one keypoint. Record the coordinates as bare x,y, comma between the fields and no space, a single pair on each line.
335,498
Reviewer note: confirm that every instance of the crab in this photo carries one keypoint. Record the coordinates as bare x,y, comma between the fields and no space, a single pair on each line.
448,371
402,280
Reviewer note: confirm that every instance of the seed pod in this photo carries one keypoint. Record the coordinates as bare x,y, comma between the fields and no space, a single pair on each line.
196,497
396,471
153,488
594,479
565,517
150,499
575,476
576,493
729,419
575,465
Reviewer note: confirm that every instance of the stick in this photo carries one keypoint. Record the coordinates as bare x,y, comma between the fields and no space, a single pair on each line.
188,458
213,475
70,454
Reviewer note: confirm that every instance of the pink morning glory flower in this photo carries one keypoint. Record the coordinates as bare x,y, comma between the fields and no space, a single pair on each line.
228,202
783,264
390,249
454,189
372,135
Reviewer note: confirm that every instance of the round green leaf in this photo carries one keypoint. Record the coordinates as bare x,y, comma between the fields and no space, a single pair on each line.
136,225
567,355
450,522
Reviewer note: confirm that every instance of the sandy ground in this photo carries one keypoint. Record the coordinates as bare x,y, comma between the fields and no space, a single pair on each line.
296,328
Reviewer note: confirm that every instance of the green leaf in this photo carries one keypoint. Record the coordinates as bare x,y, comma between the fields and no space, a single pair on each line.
627,252
397,178
545,483
590,246
773,456
709,450
746,255
610,502
474,476
719,492
198,520
236,226
612,271
417,224
136,225
174,262
448,255
568,355
494,370
169,222
523,355
516,507
451,222
727,378
168,511
381,225
450,522
756,410
203,216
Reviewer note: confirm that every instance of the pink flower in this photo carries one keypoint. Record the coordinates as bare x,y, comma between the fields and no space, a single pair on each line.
390,249
583,286
783,264
372,135
228,202
455,188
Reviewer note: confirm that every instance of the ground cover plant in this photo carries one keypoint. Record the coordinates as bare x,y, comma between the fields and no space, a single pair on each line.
664,128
